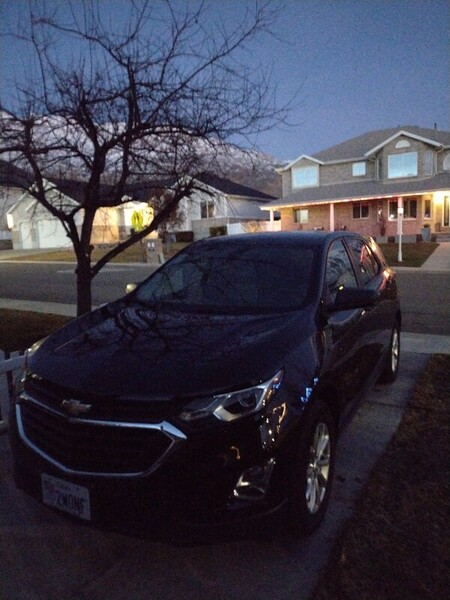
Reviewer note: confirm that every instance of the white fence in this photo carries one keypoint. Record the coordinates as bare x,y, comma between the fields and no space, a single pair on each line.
8,368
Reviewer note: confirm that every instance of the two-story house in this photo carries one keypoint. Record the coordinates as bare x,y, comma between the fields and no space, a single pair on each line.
364,183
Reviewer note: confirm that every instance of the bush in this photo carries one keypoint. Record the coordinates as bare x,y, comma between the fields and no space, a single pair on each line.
184,237
216,231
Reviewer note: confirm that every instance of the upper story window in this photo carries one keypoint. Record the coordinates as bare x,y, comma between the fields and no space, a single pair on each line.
305,176
446,165
428,162
402,144
358,169
402,165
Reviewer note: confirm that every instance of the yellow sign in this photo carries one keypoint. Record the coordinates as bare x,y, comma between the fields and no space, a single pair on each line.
137,220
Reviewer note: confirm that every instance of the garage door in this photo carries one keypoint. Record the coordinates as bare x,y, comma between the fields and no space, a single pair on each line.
28,239
51,234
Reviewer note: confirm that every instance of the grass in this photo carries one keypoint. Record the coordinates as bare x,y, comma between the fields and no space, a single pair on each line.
20,329
397,543
135,253
414,255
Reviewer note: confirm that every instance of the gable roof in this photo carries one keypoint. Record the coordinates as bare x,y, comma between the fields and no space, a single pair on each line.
363,145
298,159
12,176
231,188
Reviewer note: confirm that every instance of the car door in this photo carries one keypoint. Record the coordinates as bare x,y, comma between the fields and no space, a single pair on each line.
377,322
343,329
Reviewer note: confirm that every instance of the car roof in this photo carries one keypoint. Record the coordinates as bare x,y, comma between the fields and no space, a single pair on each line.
300,238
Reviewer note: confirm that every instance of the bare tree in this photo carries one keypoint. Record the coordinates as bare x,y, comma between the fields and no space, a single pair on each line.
136,101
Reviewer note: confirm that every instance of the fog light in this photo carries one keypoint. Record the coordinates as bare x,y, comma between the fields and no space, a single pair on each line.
253,483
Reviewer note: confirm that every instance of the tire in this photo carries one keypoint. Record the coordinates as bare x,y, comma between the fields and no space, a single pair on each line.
392,363
311,472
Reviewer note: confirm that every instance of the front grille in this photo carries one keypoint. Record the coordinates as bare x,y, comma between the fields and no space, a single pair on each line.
108,409
88,446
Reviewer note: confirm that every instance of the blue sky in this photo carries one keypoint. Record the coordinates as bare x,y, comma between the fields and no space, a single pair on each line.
360,65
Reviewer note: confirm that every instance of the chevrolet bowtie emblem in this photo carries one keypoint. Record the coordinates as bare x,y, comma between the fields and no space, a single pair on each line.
75,407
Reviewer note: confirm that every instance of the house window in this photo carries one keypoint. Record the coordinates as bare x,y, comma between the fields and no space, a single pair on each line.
446,165
305,176
427,209
409,212
207,209
402,144
428,163
402,165
360,210
300,215
358,169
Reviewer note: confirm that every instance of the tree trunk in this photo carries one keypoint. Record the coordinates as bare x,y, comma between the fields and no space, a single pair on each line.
84,284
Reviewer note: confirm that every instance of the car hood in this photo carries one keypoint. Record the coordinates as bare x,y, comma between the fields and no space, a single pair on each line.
129,350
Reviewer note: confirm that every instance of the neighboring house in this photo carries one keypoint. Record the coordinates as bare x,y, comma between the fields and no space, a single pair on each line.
32,226
11,188
361,184
218,202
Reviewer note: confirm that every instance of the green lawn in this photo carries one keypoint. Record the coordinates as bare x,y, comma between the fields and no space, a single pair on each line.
414,255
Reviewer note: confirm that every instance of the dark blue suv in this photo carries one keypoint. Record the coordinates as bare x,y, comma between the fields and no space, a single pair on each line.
215,391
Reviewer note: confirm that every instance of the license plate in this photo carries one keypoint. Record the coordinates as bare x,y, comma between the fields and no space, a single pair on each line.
68,497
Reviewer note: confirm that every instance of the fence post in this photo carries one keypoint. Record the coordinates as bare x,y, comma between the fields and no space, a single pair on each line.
8,369
2,424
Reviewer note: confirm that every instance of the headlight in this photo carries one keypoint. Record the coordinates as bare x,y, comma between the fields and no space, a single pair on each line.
235,405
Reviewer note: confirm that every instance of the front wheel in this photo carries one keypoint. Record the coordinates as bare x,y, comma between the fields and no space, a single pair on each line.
312,472
390,370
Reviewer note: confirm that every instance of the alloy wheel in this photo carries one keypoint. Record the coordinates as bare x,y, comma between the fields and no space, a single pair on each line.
318,470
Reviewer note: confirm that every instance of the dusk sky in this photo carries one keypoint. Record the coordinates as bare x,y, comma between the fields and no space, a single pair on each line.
360,65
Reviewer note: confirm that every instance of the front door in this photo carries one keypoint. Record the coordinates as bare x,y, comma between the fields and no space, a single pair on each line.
446,221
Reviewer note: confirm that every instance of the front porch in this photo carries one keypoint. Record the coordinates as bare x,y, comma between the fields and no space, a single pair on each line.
421,216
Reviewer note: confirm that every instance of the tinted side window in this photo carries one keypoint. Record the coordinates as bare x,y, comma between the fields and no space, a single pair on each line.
339,273
366,262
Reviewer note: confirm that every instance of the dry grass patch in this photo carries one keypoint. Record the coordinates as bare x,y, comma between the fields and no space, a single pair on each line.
19,329
134,254
396,546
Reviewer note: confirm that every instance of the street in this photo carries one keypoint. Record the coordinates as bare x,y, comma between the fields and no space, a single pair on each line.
425,296
55,282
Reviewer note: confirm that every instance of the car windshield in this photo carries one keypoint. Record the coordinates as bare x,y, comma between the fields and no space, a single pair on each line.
233,278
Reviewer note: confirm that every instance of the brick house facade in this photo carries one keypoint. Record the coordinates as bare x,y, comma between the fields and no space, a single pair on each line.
361,184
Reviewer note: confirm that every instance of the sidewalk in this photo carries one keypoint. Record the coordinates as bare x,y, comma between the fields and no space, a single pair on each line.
439,260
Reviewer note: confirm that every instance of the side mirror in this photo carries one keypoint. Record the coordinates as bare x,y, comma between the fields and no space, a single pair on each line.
351,298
